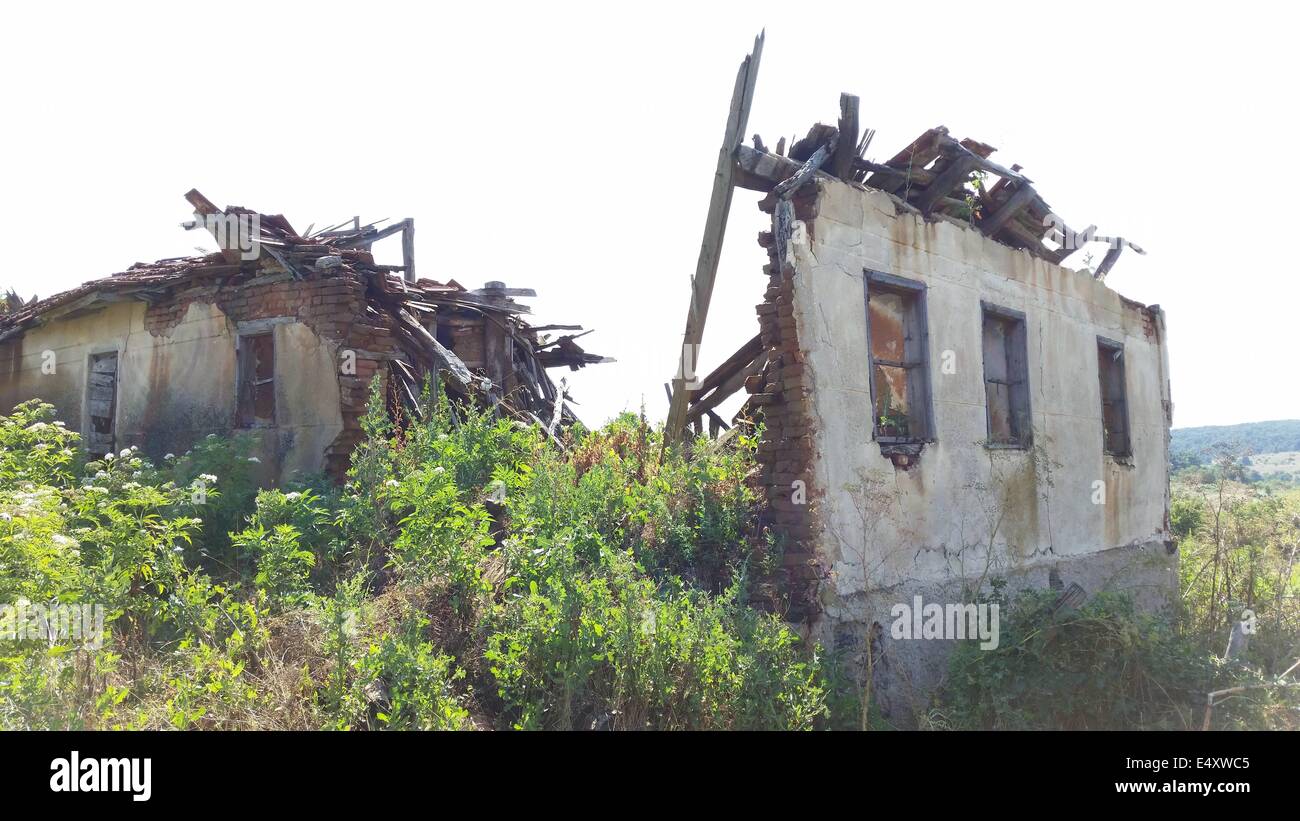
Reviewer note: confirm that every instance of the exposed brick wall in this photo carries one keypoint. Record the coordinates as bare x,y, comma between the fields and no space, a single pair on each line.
333,305
785,451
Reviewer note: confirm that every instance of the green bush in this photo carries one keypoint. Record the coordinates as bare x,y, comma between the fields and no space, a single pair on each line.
608,650
1104,666
467,567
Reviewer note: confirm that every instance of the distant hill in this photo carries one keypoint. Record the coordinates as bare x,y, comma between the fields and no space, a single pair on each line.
1281,436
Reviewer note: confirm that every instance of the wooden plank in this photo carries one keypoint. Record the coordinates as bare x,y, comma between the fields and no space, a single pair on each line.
952,176
1018,200
984,164
716,425
715,228
786,188
101,393
920,176
205,207
735,362
762,172
846,145
408,248
922,151
558,410
726,389
443,357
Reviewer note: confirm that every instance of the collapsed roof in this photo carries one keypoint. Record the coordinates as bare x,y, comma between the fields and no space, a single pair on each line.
935,175
510,375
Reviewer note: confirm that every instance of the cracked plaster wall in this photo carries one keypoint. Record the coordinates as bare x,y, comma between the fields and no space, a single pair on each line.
886,532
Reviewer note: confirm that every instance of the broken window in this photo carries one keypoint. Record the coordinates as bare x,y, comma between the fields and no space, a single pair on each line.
1006,377
1114,405
101,403
897,342
256,380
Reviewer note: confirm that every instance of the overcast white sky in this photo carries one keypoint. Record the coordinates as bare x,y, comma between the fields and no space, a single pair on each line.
570,148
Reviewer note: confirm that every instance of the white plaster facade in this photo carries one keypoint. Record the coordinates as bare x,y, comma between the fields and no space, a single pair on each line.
176,387
1062,506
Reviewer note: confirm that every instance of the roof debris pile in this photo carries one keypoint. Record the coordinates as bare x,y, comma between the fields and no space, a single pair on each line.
936,176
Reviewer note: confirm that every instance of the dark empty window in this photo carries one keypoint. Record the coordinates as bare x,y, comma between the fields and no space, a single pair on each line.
900,377
256,380
1114,404
1006,377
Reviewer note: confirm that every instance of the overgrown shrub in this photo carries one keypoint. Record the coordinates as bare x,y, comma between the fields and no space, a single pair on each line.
1104,666
468,573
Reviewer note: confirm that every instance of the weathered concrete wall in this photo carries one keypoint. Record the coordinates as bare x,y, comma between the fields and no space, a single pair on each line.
177,382
963,510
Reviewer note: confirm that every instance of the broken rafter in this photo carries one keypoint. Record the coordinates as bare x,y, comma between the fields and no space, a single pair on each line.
954,176
786,188
951,146
715,228
757,171
205,207
846,144
922,151
1023,195
727,388
735,362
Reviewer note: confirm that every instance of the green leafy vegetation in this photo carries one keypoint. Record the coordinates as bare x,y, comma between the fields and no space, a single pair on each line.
467,575
1263,452
471,575
1259,437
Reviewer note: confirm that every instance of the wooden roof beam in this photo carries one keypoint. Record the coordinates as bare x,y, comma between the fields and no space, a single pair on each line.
735,362
846,145
953,176
715,227
1020,198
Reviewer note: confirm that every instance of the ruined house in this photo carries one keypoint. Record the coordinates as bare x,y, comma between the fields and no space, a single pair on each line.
279,335
944,401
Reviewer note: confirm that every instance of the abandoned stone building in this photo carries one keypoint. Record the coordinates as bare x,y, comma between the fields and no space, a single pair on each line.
944,402
277,335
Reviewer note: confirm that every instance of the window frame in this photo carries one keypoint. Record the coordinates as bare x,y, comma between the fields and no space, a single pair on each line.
87,416
246,419
1019,409
920,398
1114,346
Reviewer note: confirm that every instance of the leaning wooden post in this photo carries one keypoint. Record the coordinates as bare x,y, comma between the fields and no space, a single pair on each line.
715,227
